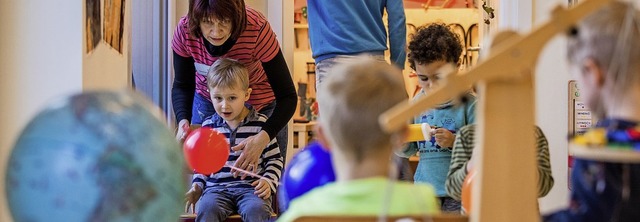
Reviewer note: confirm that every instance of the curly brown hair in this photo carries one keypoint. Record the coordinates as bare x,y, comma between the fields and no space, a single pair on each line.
434,42
234,10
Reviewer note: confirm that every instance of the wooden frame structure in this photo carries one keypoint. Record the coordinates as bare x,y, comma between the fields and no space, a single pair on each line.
505,186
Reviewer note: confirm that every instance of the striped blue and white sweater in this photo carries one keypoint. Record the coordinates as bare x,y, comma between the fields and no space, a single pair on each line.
270,163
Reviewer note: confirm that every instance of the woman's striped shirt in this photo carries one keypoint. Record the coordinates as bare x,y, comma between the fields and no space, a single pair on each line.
257,44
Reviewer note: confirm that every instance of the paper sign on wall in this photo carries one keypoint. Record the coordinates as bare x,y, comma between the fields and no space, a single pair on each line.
580,117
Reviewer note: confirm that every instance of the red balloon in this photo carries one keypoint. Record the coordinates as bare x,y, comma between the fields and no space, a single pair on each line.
466,191
206,150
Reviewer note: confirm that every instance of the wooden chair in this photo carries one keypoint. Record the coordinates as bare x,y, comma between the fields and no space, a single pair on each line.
234,217
434,218
237,218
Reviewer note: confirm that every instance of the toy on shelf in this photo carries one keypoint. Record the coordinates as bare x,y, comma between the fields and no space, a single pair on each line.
610,145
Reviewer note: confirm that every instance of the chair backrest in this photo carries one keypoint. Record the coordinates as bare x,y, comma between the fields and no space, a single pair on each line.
434,218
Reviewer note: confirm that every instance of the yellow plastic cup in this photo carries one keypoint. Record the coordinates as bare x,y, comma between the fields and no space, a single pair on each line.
415,133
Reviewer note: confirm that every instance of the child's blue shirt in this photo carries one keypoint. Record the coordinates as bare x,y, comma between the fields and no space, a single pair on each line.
435,160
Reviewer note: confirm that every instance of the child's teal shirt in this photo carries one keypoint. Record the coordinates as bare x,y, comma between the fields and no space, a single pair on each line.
435,160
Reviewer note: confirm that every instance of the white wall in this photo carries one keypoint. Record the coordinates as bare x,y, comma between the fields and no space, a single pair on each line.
260,5
104,67
280,16
552,79
519,12
40,56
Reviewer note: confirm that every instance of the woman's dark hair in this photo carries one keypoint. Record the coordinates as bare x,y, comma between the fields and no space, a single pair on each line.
233,10
434,42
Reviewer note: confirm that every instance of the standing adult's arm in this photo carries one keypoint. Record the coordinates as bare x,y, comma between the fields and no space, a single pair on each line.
284,91
268,52
286,100
274,164
184,86
397,32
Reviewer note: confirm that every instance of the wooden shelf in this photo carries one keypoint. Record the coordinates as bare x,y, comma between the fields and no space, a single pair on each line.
302,135
604,154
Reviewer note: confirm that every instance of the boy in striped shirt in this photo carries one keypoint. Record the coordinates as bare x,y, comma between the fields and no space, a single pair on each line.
220,194
462,159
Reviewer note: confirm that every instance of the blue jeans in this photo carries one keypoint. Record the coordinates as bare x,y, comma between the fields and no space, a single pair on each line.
324,67
450,205
218,204
202,109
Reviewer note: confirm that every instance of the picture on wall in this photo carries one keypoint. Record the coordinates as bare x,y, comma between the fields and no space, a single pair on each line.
114,23
93,24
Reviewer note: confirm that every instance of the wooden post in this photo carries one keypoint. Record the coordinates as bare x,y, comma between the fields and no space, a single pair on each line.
505,142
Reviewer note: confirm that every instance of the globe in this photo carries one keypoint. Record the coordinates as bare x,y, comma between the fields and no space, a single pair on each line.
96,156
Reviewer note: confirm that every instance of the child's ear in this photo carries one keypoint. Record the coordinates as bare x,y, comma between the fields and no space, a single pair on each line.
596,75
246,98
321,137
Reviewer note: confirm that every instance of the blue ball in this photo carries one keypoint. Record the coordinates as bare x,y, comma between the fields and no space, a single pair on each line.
308,169
96,156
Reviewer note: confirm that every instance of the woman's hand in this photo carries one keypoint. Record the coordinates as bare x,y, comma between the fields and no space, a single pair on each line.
262,188
251,148
191,197
444,137
183,130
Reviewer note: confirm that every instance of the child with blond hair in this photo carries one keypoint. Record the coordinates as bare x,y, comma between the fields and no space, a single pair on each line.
216,196
352,99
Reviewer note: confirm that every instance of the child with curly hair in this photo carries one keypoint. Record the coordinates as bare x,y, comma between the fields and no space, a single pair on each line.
432,48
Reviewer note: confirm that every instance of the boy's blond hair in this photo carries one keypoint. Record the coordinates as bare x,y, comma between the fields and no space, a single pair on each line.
352,99
610,37
227,73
